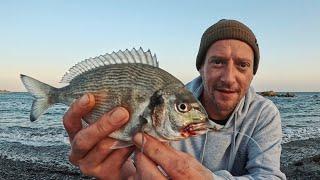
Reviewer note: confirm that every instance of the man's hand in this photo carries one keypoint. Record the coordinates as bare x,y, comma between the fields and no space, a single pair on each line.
90,147
176,164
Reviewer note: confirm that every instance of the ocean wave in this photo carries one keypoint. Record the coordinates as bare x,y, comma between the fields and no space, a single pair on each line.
301,115
34,137
293,134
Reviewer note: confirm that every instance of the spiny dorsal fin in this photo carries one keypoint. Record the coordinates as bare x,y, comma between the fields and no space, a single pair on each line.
120,57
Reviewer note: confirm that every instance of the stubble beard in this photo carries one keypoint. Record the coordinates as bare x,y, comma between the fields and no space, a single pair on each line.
218,109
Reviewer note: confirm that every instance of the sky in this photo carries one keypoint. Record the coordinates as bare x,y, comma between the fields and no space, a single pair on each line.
43,39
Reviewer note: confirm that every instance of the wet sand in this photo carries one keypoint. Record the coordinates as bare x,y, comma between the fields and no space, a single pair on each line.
299,160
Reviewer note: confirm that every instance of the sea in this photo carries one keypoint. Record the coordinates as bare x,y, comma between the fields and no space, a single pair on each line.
46,141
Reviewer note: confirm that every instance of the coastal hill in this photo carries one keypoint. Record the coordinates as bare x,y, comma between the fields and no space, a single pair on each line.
4,91
273,94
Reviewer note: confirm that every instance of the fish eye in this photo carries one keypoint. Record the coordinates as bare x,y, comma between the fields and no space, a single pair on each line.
182,107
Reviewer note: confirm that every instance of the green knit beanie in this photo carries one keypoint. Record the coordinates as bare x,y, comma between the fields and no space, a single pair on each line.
228,29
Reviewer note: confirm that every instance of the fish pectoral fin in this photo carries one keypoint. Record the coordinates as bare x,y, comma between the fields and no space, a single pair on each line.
121,144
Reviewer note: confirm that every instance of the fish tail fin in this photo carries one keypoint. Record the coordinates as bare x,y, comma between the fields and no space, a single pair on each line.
44,94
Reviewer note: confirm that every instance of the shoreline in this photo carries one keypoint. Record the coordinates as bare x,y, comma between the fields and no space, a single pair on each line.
299,160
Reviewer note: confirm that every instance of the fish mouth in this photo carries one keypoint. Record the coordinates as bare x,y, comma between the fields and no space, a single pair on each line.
194,129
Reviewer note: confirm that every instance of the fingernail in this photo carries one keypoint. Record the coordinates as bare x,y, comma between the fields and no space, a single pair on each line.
118,116
84,100
139,139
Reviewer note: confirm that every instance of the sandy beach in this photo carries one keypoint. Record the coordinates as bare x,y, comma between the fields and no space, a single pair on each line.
299,160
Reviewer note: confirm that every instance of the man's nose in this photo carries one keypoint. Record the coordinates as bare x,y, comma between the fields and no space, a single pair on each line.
228,75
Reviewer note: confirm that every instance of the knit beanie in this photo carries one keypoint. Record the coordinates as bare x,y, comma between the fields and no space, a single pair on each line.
228,29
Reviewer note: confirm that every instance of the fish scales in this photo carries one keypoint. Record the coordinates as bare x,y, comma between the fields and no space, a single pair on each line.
114,81
157,102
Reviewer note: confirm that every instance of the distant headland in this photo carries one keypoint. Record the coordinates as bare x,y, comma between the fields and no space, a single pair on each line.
276,94
4,91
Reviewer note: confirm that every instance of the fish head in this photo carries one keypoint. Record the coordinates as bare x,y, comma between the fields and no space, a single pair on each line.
177,114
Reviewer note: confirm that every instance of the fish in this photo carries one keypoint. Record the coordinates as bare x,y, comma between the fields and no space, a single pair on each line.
158,103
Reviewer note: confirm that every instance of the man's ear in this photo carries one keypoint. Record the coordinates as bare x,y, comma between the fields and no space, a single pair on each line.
201,70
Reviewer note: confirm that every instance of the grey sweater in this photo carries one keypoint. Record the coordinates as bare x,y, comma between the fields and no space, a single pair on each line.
247,147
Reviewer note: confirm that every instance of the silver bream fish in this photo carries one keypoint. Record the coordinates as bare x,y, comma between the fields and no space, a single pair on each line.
158,103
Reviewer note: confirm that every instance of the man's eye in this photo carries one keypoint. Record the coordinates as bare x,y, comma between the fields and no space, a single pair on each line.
244,65
216,61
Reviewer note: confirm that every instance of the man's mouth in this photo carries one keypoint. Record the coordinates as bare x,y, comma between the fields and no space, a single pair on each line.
226,91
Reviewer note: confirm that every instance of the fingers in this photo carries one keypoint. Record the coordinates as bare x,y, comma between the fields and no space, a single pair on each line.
90,147
128,169
154,149
72,118
110,167
147,169
99,153
174,163
87,138
117,158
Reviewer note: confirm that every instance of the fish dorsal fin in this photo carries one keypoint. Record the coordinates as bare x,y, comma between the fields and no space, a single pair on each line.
121,57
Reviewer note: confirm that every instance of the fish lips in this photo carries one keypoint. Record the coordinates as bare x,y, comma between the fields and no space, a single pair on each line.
194,129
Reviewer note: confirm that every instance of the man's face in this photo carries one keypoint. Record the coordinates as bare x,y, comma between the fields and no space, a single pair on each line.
227,73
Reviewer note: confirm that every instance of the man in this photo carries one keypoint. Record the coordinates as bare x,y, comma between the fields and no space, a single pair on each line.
248,146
